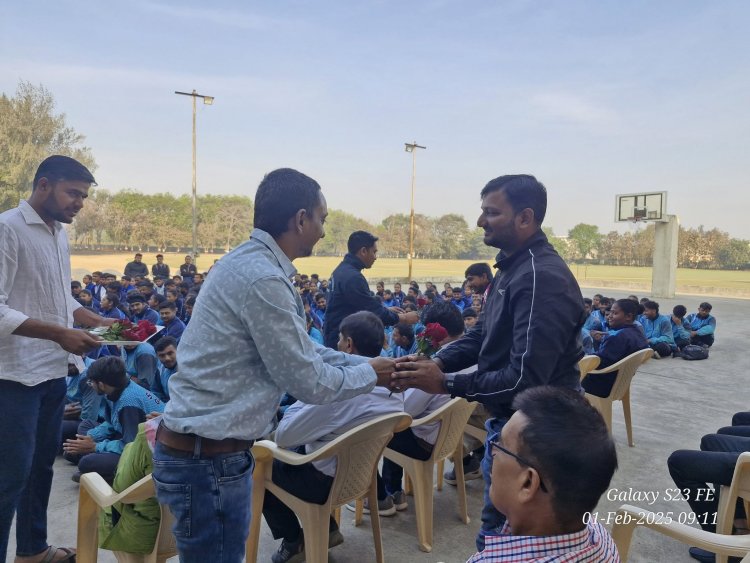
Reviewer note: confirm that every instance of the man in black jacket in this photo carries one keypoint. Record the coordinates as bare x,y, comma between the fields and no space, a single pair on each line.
349,292
529,331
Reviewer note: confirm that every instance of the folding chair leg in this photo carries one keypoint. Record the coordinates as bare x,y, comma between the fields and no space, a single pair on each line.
87,543
359,510
314,519
440,470
463,510
375,522
337,515
423,500
628,421
256,511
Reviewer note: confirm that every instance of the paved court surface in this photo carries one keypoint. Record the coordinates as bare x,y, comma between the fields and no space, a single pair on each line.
674,401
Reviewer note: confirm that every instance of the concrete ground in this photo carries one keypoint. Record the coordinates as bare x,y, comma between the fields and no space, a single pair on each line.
674,403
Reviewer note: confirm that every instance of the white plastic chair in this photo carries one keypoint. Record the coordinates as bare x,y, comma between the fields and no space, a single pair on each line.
357,454
626,369
452,417
96,494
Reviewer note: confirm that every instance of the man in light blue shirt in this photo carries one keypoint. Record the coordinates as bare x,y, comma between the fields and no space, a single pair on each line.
245,346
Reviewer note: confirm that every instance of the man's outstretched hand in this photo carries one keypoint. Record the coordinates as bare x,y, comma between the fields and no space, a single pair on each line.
418,372
384,368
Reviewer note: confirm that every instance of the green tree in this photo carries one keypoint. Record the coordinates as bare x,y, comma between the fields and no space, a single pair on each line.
30,131
735,255
585,239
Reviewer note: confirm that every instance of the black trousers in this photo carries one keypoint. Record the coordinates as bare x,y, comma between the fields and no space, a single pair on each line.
304,482
705,339
104,463
662,348
407,443
692,471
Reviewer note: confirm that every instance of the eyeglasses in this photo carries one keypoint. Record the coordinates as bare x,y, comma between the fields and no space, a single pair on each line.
522,461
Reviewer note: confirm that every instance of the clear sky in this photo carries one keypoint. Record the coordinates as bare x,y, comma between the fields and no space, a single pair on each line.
593,97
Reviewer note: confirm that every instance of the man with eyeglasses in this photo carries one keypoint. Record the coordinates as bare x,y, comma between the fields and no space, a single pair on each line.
547,484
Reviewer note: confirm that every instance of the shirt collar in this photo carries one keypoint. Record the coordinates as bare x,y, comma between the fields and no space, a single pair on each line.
547,544
286,264
504,261
354,261
32,217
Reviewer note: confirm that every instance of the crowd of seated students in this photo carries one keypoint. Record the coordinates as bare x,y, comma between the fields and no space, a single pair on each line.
541,498
666,334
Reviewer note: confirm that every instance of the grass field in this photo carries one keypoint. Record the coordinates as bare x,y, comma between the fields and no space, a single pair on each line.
709,282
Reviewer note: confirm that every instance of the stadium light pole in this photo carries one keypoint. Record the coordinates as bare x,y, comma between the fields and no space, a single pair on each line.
412,148
207,100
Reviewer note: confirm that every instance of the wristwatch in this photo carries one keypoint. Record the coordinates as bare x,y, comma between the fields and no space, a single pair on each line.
449,381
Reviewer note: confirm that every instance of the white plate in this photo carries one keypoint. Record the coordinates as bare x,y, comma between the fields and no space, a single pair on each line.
98,332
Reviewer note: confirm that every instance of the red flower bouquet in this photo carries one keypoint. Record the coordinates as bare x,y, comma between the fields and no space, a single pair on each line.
126,330
428,341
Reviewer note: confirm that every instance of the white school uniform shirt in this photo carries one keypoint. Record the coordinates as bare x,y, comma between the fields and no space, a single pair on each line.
34,284
314,426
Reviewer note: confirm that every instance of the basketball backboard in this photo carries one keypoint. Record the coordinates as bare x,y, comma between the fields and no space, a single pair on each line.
647,206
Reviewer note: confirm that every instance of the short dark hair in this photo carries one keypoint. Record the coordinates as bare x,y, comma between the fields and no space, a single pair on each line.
159,298
478,269
319,296
457,290
568,441
628,306
360,239
172,292
679,311
167,305
75,283
447,315
110,370
587,301
281,194
160,256
705,305
114,286
58,167
653,305
407,331
469,312
86,291
522,191
366,331
165,342
139,254
114,299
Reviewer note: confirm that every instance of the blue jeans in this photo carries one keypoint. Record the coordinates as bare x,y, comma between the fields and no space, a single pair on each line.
492,520
209,498
30,426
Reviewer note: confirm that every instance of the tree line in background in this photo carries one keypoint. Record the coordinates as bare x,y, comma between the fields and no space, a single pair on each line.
30,130
130,220
697,248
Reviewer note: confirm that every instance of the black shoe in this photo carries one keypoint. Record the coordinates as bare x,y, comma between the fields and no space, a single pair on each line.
290,552
708,556
472,470
76,477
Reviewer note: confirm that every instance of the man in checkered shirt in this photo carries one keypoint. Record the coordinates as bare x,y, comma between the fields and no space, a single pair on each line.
551,463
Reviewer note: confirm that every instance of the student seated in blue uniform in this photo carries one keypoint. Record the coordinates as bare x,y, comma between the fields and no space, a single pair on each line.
680,334
140,311
98,447
658,330
701,325
166,351
140,363
173,326
622,339
403,341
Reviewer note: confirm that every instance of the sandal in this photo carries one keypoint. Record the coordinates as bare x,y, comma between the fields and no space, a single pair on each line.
49,556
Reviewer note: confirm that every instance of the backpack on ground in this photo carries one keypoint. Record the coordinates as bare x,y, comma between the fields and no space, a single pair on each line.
694,352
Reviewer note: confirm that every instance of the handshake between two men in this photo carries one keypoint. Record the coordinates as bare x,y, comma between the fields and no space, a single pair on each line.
414,371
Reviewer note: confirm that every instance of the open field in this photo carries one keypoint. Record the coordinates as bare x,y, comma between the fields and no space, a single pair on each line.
708,282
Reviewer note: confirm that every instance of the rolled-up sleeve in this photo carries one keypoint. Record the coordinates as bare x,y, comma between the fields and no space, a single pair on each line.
10,319
290,356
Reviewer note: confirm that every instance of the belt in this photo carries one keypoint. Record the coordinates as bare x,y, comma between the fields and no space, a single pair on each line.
205,446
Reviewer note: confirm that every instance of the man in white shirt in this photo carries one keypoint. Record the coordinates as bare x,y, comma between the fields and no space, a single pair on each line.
313,426
36,336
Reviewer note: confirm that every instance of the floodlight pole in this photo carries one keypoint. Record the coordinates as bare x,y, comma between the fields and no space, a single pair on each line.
411,147
207,100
